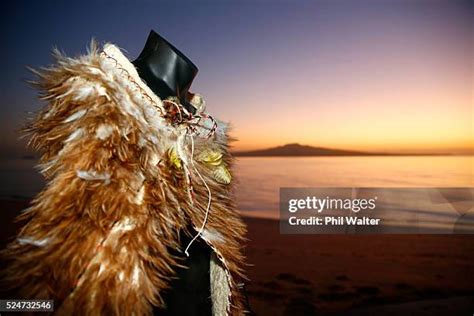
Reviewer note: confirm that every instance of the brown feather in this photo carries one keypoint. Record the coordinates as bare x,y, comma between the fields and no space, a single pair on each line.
111,209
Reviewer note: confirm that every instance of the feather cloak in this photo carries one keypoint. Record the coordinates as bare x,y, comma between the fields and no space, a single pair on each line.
125,172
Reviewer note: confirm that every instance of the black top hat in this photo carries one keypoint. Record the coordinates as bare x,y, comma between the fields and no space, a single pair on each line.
165,70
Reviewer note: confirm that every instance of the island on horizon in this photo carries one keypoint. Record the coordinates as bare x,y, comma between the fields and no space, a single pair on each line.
296,149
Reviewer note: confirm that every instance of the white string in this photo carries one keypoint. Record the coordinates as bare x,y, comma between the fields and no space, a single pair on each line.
208,202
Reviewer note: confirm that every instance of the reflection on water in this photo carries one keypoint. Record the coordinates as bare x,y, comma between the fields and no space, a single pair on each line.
259,178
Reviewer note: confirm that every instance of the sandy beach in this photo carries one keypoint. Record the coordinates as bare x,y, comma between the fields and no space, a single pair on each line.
335,274
344,274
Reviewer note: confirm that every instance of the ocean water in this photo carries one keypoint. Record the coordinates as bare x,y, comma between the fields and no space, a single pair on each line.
259,178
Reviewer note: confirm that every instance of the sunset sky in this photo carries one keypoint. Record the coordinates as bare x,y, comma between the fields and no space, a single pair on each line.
367,75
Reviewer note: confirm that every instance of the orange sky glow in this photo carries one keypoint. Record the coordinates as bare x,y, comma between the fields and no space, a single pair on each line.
390,76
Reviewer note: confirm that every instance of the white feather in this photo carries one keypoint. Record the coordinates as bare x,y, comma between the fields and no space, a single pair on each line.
93,175
124,225
78,133
34,242
140,195
212,235
101,268
83,92
76,115
104,131
141,142
135,275
121,276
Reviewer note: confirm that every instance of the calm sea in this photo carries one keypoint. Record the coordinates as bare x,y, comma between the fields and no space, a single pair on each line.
259,178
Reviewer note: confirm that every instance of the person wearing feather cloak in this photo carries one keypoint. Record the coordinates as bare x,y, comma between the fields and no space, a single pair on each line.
138,216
